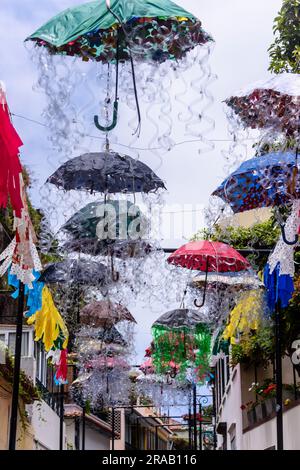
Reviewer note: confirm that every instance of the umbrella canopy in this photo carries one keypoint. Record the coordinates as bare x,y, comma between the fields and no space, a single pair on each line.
155,30
76,271
235,281
147,366
273,104
106,220
261,182
209,256
181,341
118,248
104,313
179,318
111,335
106,172
105,362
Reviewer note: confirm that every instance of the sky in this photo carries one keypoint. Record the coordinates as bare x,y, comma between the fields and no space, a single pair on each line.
242,32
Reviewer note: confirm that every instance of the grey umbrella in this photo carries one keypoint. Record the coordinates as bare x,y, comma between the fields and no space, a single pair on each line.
106,172
76,271
178,318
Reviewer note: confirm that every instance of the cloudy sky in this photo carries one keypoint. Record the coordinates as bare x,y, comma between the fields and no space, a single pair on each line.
242,31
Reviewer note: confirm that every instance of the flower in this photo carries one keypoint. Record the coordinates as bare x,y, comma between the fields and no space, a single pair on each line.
287,402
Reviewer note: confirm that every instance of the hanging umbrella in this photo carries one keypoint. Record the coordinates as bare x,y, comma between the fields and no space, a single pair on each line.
106,362
104,313
179,318
208,256
110,31
113,228
111,335
106,172
147,366
110,220
181,340
75,271
101,30
268,180
227,281
273,104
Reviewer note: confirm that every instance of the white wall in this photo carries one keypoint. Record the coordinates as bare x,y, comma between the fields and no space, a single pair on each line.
230,410
45,423
264,436
95,439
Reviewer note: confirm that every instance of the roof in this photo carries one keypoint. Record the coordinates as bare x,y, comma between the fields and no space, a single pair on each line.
75,411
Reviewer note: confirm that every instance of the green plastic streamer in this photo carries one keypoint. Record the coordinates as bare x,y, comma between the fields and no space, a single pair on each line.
180,349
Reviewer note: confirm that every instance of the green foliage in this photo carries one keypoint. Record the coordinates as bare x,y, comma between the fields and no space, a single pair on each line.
256,348
285,50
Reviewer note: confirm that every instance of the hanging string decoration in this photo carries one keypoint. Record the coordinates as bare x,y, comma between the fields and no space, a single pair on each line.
245,317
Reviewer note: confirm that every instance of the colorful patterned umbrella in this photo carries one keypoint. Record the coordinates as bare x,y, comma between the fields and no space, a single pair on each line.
104,313
273,104
102,30
261,182
106,172
112,31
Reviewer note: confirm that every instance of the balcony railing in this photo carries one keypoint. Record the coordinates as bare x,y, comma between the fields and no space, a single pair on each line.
51,398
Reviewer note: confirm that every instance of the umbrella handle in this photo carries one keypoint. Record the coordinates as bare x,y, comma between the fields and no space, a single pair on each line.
288,242
114,121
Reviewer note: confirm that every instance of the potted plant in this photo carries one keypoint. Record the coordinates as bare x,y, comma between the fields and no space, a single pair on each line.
250,408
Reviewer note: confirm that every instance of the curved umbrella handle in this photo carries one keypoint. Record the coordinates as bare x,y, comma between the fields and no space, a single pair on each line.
114,122
202,303
288,242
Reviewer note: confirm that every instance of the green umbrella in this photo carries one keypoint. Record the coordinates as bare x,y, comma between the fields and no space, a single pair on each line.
107,220
91,30
111,30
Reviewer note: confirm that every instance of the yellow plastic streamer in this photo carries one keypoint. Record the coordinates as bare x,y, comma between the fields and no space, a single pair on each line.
48,323
245,316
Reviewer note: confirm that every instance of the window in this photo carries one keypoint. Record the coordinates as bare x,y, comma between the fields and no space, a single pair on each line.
25,343
41,363
9,338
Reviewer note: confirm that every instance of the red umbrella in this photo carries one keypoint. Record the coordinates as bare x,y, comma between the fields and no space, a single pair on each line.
208,256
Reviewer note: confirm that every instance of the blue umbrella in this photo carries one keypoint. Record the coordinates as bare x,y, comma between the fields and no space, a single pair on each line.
265,181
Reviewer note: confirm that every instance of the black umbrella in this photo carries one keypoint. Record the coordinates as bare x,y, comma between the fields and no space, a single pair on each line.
179,318
123,249
75,271
111,335
106,172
